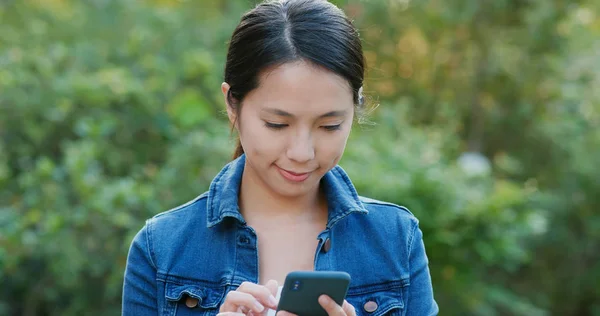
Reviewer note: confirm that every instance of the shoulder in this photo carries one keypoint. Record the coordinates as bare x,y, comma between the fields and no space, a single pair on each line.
382,208
167,233
178,220
190,208
391,218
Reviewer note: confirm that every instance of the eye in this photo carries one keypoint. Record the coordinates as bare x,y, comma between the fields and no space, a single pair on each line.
332,127
275,125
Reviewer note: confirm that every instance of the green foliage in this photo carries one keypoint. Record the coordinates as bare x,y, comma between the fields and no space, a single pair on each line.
473,223
110,112
100,131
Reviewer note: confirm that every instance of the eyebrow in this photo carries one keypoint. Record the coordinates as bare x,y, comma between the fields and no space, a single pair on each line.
287,114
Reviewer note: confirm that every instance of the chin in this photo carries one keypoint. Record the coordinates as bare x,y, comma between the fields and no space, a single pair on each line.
293,190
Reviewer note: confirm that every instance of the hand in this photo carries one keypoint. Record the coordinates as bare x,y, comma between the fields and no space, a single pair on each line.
250,299
331,307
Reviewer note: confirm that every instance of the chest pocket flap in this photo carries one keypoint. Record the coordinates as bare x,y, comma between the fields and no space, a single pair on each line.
208,297
376,300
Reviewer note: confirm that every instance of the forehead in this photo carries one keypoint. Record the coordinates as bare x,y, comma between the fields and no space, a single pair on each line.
301,87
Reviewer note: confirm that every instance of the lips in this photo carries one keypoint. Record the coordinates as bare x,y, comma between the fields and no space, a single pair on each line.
293,176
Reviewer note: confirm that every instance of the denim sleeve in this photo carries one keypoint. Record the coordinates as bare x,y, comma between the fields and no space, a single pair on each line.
139,286
420,297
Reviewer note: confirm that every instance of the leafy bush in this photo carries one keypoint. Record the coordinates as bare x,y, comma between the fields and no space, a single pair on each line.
473,223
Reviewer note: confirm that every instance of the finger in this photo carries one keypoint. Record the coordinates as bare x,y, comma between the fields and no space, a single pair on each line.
348,309
330,306
273,286
284,313
230,314
261,293
235,300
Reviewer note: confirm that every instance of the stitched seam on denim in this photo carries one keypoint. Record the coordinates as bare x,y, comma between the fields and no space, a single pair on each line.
334,220
373,288
168,279
405,299
181,207
149,245
235,256
175,279
166,307
382,203
388,305
392,307
410,245
186,291
411,241
201,294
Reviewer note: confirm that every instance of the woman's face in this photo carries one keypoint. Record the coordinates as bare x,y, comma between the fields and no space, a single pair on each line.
294,127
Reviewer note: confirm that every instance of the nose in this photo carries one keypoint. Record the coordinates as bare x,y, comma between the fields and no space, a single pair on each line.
301,148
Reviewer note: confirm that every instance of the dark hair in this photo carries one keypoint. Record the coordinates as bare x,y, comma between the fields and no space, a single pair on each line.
278,32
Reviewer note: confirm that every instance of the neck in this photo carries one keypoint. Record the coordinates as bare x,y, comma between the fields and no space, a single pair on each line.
257,201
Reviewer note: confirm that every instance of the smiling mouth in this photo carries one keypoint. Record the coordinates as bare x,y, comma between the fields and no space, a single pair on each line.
294,176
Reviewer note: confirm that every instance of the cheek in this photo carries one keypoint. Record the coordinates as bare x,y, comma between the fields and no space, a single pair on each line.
258,140
331,148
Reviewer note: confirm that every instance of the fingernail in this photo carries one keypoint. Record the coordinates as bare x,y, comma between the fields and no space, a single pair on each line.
259,306
273,301
323,299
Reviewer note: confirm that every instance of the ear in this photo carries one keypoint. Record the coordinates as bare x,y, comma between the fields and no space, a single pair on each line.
230,110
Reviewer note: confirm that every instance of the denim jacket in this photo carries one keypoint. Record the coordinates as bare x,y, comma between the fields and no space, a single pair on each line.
185,260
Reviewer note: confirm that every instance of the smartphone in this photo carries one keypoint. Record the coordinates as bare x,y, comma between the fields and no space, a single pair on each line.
301,291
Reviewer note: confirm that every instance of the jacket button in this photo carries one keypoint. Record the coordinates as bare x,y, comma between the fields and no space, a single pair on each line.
370,306
191,302
327,245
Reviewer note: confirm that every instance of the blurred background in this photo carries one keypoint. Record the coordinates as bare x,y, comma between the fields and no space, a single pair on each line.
488,129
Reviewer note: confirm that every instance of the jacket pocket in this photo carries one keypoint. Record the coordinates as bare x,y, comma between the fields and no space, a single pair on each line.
192,298
377,300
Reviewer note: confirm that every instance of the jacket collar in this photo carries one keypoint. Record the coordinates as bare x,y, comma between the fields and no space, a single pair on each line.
223,194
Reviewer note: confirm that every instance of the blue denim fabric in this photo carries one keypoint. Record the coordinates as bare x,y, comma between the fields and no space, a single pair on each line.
203,249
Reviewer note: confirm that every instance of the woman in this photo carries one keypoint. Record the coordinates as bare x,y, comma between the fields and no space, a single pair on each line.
293,82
